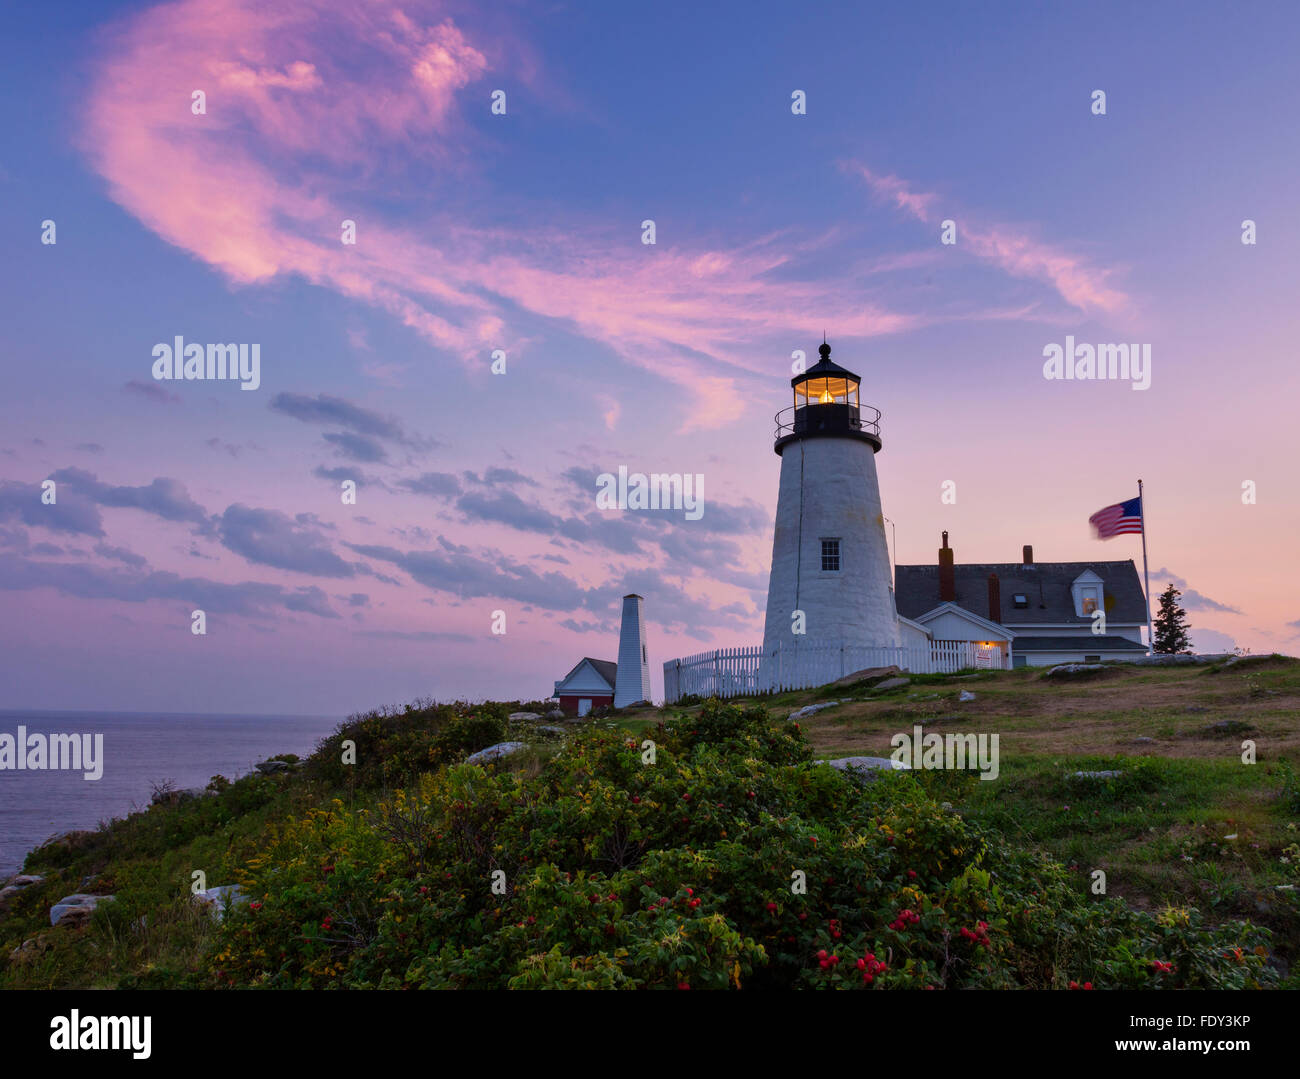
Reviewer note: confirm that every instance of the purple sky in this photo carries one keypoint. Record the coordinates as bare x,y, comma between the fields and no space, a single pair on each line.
523,232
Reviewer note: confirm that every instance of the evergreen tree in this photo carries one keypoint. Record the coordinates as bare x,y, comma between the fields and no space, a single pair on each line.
1171,624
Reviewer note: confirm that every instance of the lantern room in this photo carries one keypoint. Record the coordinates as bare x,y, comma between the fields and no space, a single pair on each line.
826,404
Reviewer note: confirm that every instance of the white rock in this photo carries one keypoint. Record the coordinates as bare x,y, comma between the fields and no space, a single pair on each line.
77,906
965,695
1111,774
865,768
496,752
813,709
516,717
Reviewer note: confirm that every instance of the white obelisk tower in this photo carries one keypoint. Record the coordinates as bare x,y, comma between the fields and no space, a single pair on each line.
632,684
831,582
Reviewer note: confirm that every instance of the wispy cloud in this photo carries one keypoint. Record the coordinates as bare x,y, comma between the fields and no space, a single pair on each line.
1078,281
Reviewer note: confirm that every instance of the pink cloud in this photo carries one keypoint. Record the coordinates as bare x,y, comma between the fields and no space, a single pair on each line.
1078,282
301,96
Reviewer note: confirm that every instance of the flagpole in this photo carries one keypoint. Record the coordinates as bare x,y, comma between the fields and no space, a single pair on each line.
1146,572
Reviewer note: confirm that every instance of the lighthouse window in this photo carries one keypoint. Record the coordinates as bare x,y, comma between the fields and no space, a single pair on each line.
830,556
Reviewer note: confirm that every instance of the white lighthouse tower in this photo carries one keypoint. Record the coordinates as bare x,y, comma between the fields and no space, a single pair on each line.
830,584
632,682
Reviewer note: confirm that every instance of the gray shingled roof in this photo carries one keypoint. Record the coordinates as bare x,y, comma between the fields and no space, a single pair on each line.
1080,643
1047,584
607,669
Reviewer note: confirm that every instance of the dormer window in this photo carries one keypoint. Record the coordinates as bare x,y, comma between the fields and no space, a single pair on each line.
1087,591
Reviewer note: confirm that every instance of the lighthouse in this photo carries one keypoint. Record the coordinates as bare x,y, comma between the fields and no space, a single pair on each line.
830,583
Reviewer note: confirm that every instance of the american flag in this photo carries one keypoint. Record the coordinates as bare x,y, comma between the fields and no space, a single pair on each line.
1121,519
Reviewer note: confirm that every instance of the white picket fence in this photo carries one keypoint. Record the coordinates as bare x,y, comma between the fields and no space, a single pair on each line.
734,672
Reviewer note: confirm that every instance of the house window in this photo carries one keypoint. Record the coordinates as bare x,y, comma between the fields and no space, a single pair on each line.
1020,601
1087,592
644,658
830,556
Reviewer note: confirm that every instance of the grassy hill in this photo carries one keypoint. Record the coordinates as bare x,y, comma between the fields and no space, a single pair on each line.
1161,830
677,872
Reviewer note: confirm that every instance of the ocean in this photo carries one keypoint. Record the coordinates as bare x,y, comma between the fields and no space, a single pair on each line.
139,750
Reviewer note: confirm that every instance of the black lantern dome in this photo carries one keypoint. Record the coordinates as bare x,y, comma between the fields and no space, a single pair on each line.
826,405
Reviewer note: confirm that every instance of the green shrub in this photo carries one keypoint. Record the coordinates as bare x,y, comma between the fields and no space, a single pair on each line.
730,861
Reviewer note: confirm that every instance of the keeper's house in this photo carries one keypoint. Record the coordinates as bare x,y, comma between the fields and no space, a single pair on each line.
589,685
1038,613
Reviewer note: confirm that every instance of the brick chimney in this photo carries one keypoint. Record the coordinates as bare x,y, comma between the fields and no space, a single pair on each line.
995,599
947,579
1027,554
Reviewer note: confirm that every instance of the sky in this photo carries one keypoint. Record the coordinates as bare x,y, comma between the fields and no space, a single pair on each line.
515,238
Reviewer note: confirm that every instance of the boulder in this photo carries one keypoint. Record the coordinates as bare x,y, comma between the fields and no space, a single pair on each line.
1169,660
555,713
966,695
74,911
813,709
1075,670
524,717
496,752
216,901
268,768
865,769
867,675
15,886
890,683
